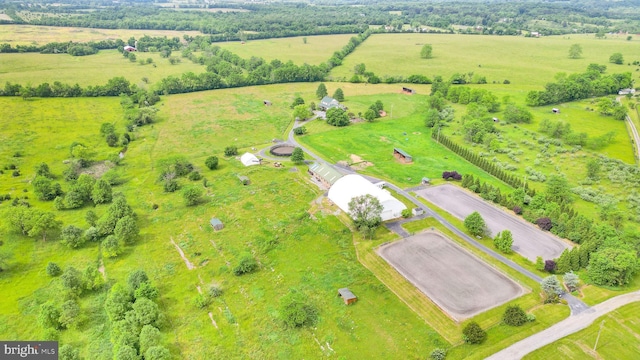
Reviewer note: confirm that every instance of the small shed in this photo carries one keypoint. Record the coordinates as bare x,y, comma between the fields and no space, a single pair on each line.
244,180
402,156
417,211
555,110
426,181
495,120
347,296
266,102
407,90
216,224
248,159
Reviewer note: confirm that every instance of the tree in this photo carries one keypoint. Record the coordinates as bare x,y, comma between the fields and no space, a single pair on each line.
45,189
551,286
126,230
101,192
475,224
49,316
571,280
146,311
549,266
613,266
321,91
539,263
365,210
72,236
69,313
370,115
427,51
338,95
593,169
92,278
146,290
438,354
68,352
43,223
231,150
337,117
53,269
517,114
360,69
296,311
473,333
42,169
297,102
192,195
297,156
558,189
149,337
72,280
616,58
514,316
300,130
575,51
137,278
247,264
118,302
111,247
211,162
302,112
503,241
157,353
126,352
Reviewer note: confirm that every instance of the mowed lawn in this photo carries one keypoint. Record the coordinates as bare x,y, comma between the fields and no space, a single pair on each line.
315,51
40,35
35,68
619,339
525,62
267,219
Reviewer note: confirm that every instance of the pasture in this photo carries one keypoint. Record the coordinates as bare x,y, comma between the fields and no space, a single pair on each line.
35,69
528,240
619,339
40,35
266,218
528,63
461,284
316,50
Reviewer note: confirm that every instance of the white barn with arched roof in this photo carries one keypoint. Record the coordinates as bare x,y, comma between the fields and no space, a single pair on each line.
249,159
350,186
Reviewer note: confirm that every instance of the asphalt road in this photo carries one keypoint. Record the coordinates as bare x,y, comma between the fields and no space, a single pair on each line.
564,328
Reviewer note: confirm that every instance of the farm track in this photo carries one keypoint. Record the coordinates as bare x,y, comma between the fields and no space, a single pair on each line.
635,137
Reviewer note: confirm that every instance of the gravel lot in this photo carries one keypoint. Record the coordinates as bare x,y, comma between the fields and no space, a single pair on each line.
528,240
457,281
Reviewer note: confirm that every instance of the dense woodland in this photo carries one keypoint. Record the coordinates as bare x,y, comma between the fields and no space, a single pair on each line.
293,19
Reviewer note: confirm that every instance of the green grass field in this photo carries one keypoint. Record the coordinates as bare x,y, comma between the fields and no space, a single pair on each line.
35,69
40,35
528,63
619,339
315,51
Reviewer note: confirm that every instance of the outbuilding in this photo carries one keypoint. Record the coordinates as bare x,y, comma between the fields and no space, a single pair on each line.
244,180
555,111
216,224
266,102
324,173
407,90
402,156
352,185
248,159
347,296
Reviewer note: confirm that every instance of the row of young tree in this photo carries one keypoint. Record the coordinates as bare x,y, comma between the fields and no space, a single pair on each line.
609,253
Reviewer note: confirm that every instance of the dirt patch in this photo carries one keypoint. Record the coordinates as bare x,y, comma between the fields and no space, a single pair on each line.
102,270
416,133
190,266
213,321
362,165
384,139
355,158
356,120
98,169
528,240
454,279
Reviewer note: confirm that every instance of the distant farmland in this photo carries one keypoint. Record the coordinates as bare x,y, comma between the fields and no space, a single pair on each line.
526,62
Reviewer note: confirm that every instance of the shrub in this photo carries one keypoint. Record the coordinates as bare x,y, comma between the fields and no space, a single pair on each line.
295,311
53,269
514,316
211,162
473,333
215,291
544,223
531,318
231,151
451,175
300,130
550,266
475,224
438,354
406,213
195,176
517,210
201,301
246,265
539,263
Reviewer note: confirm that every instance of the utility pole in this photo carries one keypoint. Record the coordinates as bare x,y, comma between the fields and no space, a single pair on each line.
598,337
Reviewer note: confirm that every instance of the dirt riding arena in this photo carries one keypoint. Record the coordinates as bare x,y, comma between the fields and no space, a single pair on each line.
528,240
458,282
